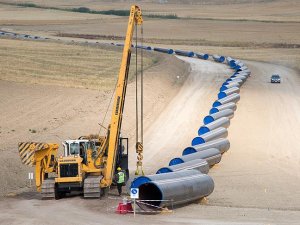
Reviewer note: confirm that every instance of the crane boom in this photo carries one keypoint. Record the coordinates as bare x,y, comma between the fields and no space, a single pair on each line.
135,18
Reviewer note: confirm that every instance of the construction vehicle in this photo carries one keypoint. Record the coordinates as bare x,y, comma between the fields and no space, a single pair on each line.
89,163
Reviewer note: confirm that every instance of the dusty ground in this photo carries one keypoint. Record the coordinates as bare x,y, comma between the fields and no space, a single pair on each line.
274,22
257,181
52,113
277,10
67,65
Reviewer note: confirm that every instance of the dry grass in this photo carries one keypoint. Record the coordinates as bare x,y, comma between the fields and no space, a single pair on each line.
234,31
60,64
278,10
289,57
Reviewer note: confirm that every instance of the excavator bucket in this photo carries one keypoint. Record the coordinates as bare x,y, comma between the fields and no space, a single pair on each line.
27,151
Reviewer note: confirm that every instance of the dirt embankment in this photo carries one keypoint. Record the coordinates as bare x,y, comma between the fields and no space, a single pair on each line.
256,181
53,114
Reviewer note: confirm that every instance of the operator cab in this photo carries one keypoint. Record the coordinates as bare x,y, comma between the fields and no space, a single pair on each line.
78,148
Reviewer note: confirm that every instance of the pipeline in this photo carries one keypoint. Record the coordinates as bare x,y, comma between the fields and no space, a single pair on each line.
211,135
230,105
144,47
223,113
239,81
221,122
230,98
239,77
164,176
198,164
222,144
184,53
230,85
184,181
202,56
225,93
211,155
179,190
164,50
218,58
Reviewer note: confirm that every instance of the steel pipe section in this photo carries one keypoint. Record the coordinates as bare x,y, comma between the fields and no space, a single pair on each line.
198,164
218,58
225,93
221,122
239,81
164,50
230,85
223,113
230,105
230,62
180,190
163,176
234,78
220,132
222,144
184,53
211,155
230,98
202,56
144,47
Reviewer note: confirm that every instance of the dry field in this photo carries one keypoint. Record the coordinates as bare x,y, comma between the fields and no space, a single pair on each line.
68,65
36,105
246,36
270,10
43,87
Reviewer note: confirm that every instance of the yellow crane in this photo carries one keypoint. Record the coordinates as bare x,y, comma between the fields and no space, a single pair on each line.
89,162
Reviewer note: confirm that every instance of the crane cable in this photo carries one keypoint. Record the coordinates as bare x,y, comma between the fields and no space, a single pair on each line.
139,144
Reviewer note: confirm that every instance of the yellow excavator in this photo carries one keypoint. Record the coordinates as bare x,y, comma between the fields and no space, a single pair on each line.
89,162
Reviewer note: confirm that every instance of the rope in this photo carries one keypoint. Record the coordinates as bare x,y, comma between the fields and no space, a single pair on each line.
139,145
136,88
108,107
142,85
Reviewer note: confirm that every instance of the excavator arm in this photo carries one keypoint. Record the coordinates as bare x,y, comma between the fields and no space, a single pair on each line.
135,18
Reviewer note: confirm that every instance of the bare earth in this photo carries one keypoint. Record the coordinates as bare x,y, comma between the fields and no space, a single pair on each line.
257,181
52,114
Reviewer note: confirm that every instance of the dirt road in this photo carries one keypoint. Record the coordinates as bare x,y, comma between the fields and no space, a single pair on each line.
257,181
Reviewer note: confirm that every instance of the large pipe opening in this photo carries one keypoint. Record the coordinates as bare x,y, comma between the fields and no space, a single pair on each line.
149,191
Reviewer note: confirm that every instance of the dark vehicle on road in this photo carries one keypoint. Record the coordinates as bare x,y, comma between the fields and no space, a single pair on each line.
275,78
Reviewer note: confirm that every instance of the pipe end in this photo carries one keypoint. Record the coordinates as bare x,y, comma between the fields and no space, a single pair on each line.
163,170
188,150
197,141
203,130
175,161
213,110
